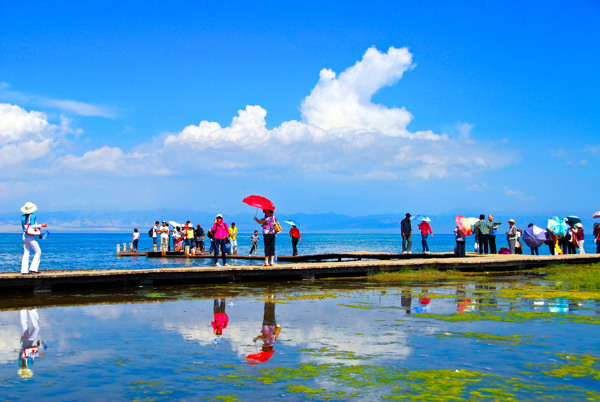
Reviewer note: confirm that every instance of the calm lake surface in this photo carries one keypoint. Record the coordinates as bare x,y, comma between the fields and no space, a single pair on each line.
320,340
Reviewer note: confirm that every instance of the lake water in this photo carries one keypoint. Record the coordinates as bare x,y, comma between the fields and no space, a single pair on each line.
98,250
338,339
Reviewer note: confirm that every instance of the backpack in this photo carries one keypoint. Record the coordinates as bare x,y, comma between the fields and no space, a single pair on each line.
150,232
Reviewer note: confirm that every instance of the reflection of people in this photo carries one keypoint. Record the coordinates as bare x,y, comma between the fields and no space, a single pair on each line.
30,347
268,225
424,302
406,300
220,318
295,235
462,302
31,231
270,329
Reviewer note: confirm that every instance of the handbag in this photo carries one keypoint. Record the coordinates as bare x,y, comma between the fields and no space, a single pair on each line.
277,227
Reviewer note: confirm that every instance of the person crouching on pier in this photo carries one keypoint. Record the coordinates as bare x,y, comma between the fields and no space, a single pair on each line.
31,231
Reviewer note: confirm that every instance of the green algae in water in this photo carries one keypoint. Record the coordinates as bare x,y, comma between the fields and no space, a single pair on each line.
385,382
505,339
513,316
575,366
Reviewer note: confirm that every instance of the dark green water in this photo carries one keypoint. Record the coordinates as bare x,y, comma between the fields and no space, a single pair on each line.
339,340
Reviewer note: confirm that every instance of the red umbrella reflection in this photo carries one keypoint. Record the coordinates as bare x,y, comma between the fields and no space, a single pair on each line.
260,357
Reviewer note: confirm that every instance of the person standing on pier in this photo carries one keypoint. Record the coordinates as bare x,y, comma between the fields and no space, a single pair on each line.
268,225
199,233
511,236
406,229
484,229
460,242
31,231
135,239
295,235
425,229
233,238
164,237
254,239
155,229
492,235
579,237
221,233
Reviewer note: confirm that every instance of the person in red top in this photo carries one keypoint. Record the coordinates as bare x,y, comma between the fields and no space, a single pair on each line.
425,229
295,235
221,320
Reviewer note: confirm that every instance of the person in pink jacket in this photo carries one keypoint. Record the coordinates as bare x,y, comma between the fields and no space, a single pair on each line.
221,320
221,233
425,229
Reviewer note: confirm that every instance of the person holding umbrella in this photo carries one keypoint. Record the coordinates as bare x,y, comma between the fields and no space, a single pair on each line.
578,237
425,229
268,225
295,235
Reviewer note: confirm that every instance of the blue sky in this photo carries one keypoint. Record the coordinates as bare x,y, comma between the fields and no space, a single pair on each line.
348,107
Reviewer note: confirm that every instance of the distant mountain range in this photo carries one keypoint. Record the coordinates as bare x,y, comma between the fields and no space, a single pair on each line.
125,221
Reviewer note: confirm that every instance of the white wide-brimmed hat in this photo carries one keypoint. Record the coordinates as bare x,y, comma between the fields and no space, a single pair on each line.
29,208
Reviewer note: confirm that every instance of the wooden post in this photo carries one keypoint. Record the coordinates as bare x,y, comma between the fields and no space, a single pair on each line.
118,250
131,247
124,247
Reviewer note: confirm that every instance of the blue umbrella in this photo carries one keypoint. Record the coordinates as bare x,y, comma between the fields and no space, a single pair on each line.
291,222
534,236
558,226
419,218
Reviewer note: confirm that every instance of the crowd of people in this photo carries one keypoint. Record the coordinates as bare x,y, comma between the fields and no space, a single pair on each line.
486,230
223,238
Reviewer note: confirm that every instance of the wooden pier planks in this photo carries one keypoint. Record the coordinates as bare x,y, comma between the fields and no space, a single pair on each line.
78,279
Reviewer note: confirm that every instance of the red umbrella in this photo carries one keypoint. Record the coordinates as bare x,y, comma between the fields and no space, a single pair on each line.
463,225
260,357
259,202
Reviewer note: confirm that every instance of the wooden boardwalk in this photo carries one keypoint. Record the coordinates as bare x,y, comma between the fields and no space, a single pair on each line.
362,264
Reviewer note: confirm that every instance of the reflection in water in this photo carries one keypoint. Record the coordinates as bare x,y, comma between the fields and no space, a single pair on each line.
268,334
220,319
30,347
424,302
406,300
463,304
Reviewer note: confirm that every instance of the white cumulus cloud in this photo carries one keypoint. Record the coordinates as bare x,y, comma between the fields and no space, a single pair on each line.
113,160
24,136
342,133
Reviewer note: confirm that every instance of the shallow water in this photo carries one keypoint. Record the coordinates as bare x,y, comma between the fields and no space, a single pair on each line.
339,339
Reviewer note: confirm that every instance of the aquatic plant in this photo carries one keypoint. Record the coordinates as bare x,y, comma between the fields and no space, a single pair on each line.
426,275
582,276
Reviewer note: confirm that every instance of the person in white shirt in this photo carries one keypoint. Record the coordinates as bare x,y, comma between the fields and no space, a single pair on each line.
31,231
135,240
164,237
